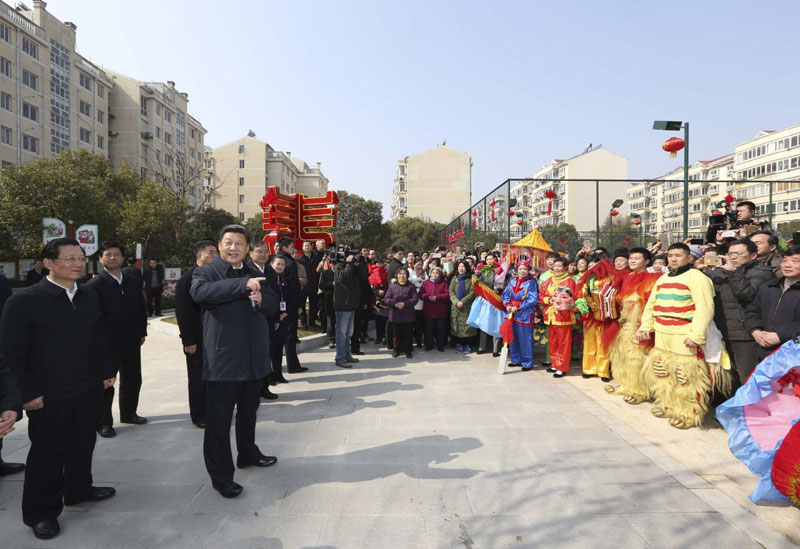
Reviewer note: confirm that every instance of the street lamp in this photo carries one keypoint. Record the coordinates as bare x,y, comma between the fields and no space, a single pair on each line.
612,214
637,222
674,126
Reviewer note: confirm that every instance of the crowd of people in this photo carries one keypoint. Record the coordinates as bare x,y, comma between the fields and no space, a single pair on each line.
680,327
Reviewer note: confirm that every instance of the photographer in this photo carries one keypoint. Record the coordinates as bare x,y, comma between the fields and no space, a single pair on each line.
767,244
346,299
736,281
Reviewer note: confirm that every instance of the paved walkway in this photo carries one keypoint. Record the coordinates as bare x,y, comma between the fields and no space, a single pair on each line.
438,451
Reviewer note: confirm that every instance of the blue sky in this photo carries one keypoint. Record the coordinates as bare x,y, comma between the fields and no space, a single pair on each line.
357,85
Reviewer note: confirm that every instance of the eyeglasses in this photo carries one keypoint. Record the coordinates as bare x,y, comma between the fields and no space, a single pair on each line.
83,260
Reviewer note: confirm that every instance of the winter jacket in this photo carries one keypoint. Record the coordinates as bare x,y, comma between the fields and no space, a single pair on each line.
326,287
440,289
310,264
346,287
773,261
774,310
733,291
394,264
458,317
407,293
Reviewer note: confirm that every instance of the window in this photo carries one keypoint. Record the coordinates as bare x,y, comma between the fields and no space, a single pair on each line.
86,82
241,199
30,47
158,133
86,108
158,109
192,133
241,181
167,138
241,149
241,216
5,101
101,117
167,160
100,142
144,151
241,164
30,144
30,112
86,135
5,135
5,66
30,80
143,105
4,33
168,116
101,91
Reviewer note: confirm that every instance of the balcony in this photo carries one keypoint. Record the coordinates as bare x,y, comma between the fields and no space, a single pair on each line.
147,135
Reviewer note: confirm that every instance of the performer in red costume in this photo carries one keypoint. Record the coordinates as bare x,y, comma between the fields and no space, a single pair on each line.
556,297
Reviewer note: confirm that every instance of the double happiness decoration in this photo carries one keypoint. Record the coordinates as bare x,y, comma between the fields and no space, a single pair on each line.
298,217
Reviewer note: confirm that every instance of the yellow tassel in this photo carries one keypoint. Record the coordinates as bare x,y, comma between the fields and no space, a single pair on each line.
673,154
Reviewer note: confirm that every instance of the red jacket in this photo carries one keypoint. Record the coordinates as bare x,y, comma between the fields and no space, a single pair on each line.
440,307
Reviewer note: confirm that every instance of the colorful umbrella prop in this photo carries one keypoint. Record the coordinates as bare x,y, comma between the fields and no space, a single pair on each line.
786,466
761,413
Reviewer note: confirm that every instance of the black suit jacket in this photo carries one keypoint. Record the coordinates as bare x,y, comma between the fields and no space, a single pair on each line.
188,312
9,394
294,281
54,347
235,336
134,272
147,276
122,307
34,278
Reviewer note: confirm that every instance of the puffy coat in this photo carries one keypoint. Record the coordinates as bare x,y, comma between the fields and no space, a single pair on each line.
733,291
346,287
774,310
407,293
440,289
458,317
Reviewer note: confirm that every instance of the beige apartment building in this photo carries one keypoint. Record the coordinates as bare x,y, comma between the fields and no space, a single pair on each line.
575,201
239,173
434,185
51,98
152,132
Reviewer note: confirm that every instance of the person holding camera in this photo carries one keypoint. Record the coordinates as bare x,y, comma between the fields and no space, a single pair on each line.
736,282
401,297
346,299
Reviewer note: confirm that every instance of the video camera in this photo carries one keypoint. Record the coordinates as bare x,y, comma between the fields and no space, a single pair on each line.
340,252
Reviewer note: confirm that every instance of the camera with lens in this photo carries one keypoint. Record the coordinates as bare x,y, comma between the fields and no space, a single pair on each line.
339,253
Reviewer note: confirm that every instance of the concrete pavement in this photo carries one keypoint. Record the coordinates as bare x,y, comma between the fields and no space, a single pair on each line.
438,451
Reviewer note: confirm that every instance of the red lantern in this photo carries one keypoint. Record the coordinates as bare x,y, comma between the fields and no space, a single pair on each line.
510,213
550,194
566,243
614,213
492,202
519,222
561,240
627,238
729,198
673,145
474,213
637,221
474,223
492,211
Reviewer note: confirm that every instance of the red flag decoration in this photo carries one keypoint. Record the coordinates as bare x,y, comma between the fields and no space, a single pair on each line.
550,194
482,290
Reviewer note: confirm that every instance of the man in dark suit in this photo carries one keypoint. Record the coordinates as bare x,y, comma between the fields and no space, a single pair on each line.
36,274
51,337
133,270
153,276
285,249
310,260
236,307
190,322
9,395
126,328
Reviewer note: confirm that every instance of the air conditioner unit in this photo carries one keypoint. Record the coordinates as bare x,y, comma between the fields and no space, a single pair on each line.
112,133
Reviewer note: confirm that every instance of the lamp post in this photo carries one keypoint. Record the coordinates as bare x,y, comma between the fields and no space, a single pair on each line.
637,222
614,213
674,126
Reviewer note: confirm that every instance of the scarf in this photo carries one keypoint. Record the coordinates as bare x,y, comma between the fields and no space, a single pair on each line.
559,278
462,290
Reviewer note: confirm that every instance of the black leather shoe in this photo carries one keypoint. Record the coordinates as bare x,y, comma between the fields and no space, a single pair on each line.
106,431
263,461
605,379
46,529
351,360
297,370
200,424
228,489
280,379
586,376
495,355
514,365
95,493
266,393
10,468
135,419
359,353
481,352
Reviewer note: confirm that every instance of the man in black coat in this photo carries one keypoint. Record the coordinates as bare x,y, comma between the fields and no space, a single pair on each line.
52,338
310,260
133,270
236,307
190,323
736,282
153,276
8,392
285,249
773,317
395,263
126,328
36,274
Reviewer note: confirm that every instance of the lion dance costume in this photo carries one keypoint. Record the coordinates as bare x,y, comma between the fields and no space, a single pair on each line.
596,303
558,305
681,306
626,353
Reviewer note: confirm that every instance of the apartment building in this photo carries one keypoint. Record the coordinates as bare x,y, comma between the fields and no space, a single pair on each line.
240,172
51,98
770,156
153,133
575,200
434,185
659,202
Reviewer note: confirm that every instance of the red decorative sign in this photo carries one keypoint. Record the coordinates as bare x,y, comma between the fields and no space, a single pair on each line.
298,217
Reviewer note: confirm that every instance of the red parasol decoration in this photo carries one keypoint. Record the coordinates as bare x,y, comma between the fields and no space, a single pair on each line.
550,194
673,145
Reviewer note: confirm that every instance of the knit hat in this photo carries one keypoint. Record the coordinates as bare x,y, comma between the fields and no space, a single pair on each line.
695,250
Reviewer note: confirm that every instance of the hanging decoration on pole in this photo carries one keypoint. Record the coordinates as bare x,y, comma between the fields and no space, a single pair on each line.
298,217
550,194
673,145
637,221
614,213
729,198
